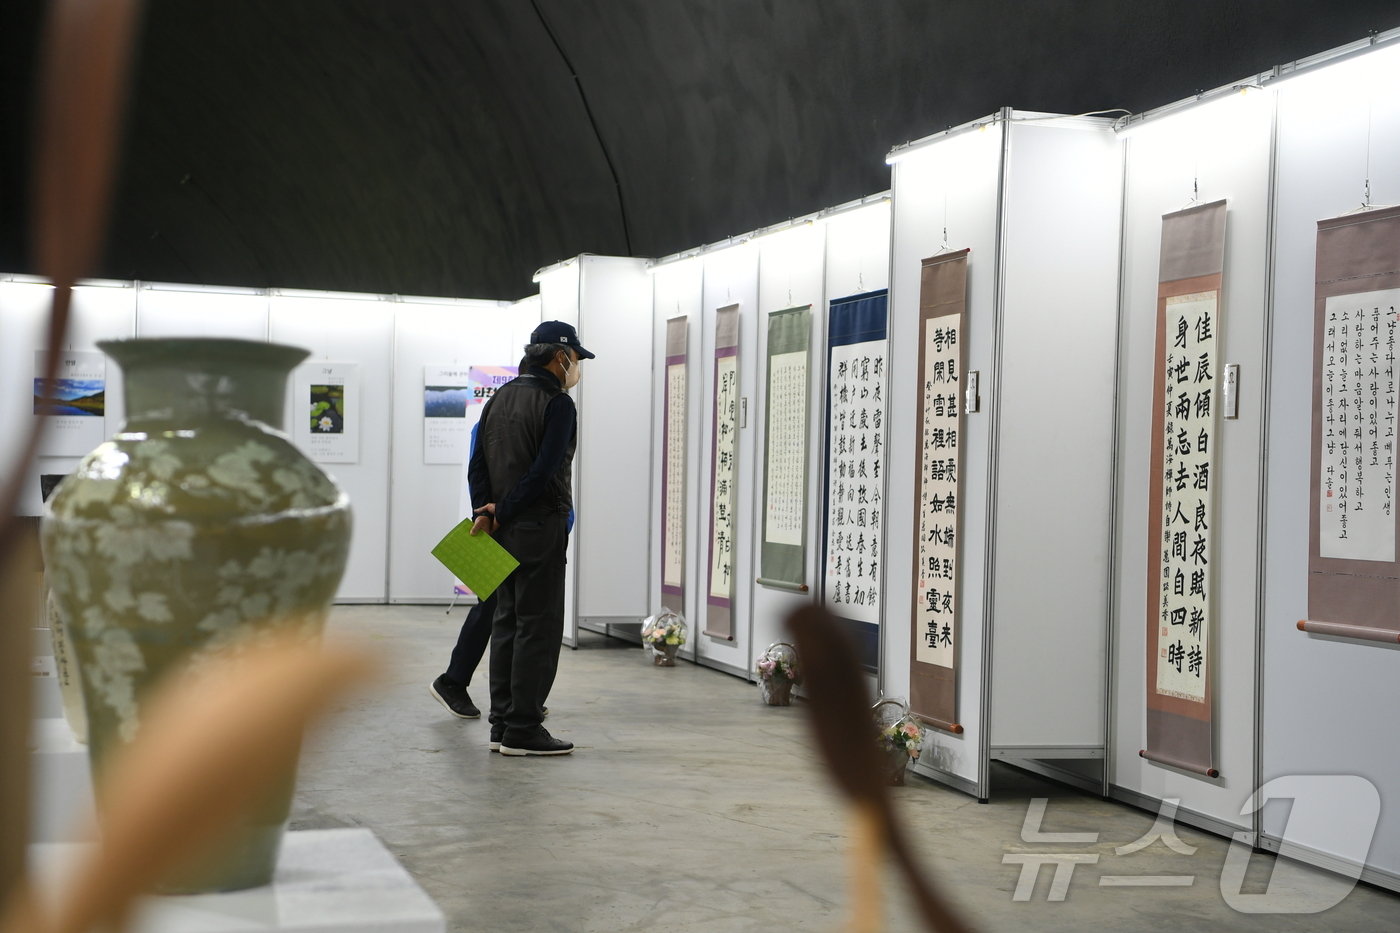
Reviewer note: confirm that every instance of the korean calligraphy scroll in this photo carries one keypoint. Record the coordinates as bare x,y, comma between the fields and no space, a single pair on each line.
673,446
1181,550
1353,574
937,523
724,454
857,357
783,557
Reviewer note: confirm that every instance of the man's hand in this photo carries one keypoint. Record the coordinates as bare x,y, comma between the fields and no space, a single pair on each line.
485,520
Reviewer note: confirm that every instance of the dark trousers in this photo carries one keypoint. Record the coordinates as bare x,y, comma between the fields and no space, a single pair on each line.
471,642
528,628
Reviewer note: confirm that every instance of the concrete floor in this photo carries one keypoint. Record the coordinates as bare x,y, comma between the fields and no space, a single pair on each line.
689,806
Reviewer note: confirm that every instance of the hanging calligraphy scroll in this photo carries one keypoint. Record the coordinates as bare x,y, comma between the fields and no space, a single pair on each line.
855,466
673,445
724,454
1181,549
933,675
783,556
1353,574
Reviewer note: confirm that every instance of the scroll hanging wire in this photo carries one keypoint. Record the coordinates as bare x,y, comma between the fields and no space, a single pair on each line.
944,247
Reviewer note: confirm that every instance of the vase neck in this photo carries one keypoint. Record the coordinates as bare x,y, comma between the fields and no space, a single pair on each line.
191,380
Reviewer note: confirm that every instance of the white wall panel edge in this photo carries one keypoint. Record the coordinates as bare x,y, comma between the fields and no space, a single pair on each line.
615,441
730,276
954,180
1226,145
1060,266
791,273
1316,689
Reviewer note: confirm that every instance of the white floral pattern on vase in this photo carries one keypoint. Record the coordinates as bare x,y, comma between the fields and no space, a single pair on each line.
199,525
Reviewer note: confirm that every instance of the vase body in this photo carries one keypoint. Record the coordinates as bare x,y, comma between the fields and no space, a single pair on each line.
198,525
664,655
776,691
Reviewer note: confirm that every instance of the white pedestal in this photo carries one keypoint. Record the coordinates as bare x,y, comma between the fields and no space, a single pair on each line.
62,791
331,879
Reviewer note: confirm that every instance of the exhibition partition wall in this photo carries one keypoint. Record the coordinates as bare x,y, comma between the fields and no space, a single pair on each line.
438,343
369,354
855,330
791,324
1034,201
351,338
730,281
677,298
792,270
1172,727
1338,147
609,300
105,311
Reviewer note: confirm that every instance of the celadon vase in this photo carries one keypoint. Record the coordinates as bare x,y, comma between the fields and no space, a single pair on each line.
196,527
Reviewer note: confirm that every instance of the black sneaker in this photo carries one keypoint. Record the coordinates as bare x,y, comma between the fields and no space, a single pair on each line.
535,741
496,733
454,698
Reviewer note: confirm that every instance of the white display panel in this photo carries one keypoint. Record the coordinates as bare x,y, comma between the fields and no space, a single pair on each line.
614,467
352,335
790,274
676,291
857,252
98,312
1218,150
559,301
190,311
1337,127
730,277
1061,250
424,498
952,184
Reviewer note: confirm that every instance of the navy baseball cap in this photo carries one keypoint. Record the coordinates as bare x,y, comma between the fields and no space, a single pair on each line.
561,333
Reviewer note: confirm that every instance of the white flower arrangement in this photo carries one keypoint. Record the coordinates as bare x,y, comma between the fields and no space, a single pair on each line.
664,629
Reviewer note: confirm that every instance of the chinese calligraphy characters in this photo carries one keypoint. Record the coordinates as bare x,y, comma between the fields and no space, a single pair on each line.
787,448
726,449
935,597
673,531
855,481
1188,460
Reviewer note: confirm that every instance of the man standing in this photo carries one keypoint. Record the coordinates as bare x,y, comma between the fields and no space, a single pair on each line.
522,491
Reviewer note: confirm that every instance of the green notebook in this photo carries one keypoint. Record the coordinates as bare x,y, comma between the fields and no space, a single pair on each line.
478,561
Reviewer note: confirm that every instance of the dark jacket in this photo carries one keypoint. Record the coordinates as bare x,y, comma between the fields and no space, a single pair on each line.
524,457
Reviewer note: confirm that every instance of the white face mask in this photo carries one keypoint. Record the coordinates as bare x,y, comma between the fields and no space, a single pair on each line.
572,374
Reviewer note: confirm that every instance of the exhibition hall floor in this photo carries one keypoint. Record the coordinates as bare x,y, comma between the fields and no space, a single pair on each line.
688,806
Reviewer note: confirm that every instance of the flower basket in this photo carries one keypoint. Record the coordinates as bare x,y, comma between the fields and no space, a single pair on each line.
900,738
776,692
777,671
664,633
896,766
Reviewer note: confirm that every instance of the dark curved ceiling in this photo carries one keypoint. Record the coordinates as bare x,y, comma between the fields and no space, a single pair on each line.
446,148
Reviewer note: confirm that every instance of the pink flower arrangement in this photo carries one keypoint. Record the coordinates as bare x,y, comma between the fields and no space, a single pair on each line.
769,667
905,735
